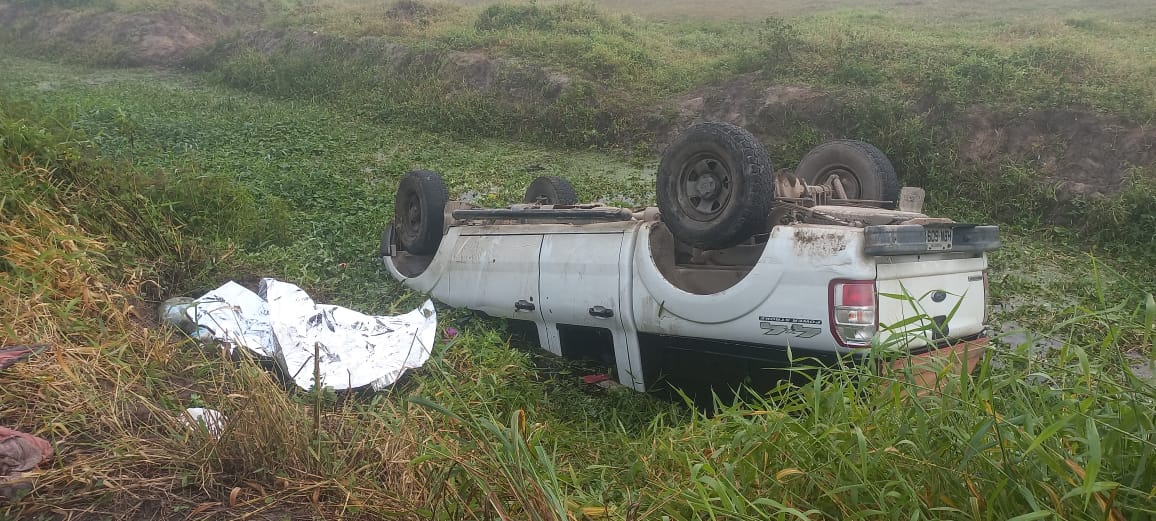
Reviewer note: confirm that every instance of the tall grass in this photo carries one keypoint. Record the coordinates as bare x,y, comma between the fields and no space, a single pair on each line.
45,164
1033,436
111,392
110,395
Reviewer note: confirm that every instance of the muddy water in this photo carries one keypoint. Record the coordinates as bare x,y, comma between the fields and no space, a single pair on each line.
1014,336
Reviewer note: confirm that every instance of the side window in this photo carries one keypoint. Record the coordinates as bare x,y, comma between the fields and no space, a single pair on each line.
526,331
595,344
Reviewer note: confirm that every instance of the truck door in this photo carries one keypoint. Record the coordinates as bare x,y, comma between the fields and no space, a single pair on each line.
581,290
495,274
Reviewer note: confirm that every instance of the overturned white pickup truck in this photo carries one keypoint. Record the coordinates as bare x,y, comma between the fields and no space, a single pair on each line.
734,273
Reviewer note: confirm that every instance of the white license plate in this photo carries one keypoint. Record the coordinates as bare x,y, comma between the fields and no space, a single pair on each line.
938,239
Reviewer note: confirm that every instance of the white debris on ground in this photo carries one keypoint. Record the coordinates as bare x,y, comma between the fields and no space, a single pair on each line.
283,323
211,420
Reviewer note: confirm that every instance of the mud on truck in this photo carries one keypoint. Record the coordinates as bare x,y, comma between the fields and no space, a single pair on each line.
735,276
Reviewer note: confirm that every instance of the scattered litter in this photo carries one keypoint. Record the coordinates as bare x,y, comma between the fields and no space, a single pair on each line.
350,349
604,381
175,312
210,420
19,453
592,379
11,354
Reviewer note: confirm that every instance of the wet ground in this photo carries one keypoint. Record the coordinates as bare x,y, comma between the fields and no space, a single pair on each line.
1039,347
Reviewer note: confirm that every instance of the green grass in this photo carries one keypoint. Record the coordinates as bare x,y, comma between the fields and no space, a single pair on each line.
288,183
905,80
622,70
1054,58
490,428
903,77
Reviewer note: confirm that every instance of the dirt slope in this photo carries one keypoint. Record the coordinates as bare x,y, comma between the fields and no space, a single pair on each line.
1086,152
1080,151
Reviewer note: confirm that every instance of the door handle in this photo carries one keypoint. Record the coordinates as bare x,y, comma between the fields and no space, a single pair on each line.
523,305
601,312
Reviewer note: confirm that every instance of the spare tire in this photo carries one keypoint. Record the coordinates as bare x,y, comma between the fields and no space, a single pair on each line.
864,171
419,211
715,186
550,189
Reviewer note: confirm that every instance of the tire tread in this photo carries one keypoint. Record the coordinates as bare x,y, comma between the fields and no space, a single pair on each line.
560,186
887,182
432,195
755,200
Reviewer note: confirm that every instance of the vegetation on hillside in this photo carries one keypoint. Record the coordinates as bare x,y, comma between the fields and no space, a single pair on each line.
571,74
921,87
487,429
122,187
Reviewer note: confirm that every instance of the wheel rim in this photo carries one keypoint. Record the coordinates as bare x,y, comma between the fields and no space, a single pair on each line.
410,217
705,187
850,182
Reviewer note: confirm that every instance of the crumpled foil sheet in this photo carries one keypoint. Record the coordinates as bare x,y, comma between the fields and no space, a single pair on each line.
282,322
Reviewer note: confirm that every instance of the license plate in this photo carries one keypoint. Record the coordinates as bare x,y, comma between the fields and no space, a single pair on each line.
938,239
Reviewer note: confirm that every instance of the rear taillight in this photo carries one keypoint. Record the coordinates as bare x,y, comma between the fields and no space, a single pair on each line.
853,312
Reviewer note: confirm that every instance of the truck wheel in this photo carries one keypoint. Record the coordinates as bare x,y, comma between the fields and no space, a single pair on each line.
715,186
550,189
419,211
863,170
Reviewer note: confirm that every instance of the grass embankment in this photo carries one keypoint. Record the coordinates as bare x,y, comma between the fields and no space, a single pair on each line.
912,79
187,184
110,399
905,80
623,67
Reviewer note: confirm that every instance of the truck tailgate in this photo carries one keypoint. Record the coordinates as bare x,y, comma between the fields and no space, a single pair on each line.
933,297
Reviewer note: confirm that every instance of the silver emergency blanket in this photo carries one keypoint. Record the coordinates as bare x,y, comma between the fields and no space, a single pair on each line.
281,322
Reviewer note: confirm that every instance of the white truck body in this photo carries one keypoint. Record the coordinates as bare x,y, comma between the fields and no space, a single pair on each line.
621,279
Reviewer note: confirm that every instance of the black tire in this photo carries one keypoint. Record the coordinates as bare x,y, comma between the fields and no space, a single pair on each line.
550,189
864,170
419,211
715,186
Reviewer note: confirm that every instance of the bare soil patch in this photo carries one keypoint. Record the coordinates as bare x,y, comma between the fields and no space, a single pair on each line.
763,109
1080,151
1085,152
